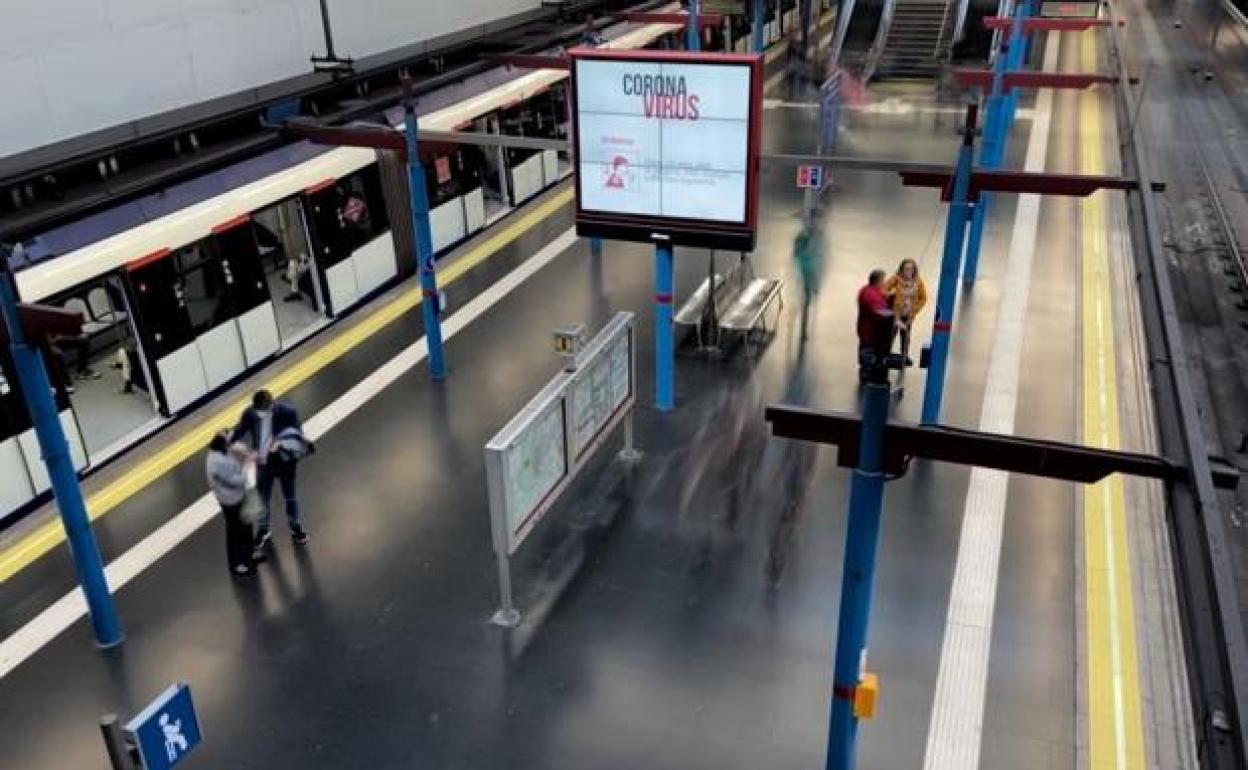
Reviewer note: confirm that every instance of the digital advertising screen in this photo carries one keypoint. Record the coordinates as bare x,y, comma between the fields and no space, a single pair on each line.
667,146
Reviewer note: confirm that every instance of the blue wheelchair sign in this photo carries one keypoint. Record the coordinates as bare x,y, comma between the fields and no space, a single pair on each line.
167,730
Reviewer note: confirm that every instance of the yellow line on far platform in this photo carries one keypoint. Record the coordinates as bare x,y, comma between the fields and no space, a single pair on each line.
50,534
1115,721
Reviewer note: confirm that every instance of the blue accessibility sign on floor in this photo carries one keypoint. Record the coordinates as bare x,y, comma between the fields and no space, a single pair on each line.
167,730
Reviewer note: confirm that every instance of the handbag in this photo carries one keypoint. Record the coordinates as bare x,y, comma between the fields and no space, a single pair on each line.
252,506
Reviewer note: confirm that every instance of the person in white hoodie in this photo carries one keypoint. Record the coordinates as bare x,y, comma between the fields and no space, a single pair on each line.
227,479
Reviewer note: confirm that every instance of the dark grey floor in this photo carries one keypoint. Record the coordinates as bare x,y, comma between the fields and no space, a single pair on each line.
683,639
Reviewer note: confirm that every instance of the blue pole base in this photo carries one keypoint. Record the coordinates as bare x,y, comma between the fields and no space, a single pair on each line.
862,537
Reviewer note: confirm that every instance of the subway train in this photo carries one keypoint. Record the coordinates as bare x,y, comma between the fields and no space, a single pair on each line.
187,291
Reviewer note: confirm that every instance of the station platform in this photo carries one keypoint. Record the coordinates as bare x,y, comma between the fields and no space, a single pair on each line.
686,637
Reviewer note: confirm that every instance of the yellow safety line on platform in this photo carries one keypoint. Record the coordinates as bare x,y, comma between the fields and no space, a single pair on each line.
50,534
1115,730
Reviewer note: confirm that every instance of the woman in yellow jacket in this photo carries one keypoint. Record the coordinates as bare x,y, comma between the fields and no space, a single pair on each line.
908,294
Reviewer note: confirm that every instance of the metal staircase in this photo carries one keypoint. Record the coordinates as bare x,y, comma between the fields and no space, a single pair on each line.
917,40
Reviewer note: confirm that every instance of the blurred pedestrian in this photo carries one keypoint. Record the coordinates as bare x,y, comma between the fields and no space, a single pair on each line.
808,253
264,426
875,324
227,480
907,292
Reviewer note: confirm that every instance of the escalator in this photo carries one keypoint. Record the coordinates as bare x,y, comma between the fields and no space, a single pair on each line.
911,39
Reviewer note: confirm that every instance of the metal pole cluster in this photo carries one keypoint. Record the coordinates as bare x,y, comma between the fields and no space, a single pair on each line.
999,108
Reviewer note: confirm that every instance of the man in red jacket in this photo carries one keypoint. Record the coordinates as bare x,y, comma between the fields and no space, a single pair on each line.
875,323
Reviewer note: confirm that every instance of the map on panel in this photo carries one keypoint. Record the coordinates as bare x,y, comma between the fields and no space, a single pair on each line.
536,463
599,391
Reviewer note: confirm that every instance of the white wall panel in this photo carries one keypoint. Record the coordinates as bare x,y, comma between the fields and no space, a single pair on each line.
375,263
85,65
221,351
33,24
27,116
15,488
182,374
364,27
99,83
344,291
38,470
264,46
261,338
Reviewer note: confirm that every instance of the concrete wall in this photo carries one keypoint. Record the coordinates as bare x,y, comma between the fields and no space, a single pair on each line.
68,67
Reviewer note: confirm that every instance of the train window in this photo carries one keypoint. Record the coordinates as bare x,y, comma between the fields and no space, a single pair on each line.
201,282
242,272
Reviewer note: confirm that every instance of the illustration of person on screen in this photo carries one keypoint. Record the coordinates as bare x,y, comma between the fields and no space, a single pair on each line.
616,175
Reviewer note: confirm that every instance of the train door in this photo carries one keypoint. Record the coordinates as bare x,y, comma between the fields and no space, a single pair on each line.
103,370
494,171
16,486
207,285
247,298
159,302
285,254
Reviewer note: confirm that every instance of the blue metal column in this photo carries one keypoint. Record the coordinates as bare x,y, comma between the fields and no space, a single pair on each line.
664,332
862,536
37,392
693,32
595,247
756,26
950,264
431,304
998,118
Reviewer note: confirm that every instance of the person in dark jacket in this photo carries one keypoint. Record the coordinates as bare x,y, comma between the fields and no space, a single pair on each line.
260,426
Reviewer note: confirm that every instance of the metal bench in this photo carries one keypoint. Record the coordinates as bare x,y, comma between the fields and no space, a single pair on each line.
747,313
692,314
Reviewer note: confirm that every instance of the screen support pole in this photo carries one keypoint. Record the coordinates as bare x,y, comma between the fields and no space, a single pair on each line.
693,32
756,25
664,332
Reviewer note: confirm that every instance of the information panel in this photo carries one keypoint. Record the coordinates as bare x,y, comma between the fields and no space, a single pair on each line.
535,456
667,146
599,391
536,463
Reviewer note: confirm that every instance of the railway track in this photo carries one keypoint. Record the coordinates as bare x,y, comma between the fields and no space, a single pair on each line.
1207,265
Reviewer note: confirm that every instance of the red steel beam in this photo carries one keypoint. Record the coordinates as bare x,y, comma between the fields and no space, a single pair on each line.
1006,24
1028,79
1073,185
39,322
530,61
642,17
373,137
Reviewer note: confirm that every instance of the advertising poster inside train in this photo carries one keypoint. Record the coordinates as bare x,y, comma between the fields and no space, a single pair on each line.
664,139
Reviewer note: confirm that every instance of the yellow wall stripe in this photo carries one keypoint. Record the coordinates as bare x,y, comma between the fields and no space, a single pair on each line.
1115,730
51,534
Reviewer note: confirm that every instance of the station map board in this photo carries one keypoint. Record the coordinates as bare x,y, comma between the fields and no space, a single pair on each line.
598,392
536,455
536,463
667,146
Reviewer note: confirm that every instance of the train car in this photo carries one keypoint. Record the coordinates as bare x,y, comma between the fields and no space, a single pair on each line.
185,292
